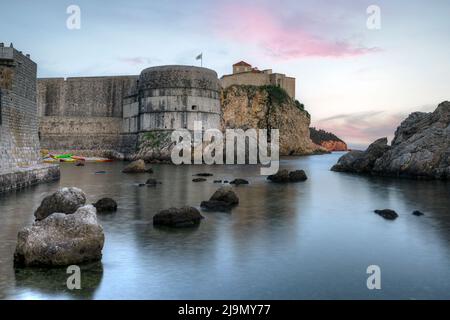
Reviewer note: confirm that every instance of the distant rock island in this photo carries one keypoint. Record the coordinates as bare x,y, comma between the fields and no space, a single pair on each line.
327,140
420,149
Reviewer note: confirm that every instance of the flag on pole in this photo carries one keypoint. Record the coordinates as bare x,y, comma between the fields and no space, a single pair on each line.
200,57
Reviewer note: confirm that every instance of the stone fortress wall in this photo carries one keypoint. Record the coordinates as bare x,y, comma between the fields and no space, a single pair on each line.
95,115
19,142
82,114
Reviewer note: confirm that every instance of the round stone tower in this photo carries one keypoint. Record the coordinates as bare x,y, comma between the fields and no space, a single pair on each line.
173,97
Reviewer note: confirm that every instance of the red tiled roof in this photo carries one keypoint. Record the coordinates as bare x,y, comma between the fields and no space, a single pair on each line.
242,63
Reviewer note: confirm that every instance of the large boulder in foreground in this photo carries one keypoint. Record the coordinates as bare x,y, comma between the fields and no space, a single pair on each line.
178,217
65,200
61,240
420,149
137,166
224,199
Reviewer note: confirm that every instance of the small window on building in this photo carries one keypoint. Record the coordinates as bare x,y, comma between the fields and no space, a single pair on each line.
194,107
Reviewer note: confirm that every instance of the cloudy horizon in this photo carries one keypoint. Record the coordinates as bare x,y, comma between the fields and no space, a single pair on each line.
355,82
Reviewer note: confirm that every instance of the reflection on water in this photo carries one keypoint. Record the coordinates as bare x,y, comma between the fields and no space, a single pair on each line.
307,240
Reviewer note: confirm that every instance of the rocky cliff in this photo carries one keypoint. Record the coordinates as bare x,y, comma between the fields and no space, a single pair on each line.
420,149
327,140
269,107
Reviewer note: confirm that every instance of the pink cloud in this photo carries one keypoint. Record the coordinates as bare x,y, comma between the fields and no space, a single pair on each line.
259,26
362,128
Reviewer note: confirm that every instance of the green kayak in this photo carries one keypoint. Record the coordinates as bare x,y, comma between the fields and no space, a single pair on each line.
63,156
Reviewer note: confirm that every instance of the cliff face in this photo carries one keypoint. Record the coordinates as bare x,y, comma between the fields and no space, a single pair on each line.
264,107
327,140
420,149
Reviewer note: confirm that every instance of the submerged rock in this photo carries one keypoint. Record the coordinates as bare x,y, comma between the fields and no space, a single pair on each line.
199,180
61,239
239,181
387,214
137,166
224,199
284,176
152,182
178,217
65,200
203,174
420,149
105,205
418,213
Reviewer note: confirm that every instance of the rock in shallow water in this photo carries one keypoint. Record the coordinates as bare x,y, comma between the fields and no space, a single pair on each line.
105,205
137,166
284,176
199,180
152,182
387,214
418,213
178,217
65,200
203,174
61,240
239,181
222,200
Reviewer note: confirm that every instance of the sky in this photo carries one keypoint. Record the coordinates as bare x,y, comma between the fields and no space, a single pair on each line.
355,81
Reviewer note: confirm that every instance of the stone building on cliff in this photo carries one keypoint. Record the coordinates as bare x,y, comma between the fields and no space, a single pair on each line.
19,142
245,74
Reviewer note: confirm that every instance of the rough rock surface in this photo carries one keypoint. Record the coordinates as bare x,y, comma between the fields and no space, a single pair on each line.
420,149
106,205
137,166
246,107
224,199
387,214
65,200
284,176
61,239
362,161
178,217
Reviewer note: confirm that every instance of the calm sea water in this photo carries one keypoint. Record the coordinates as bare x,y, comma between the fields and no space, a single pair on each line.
306,240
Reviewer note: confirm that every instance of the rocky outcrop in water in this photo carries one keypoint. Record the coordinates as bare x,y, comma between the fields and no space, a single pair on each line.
267,107
137,166
284,176
362,161
66,200
239,181
106,205
420,149
327,140
61,239
178,217
224,199
388,214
